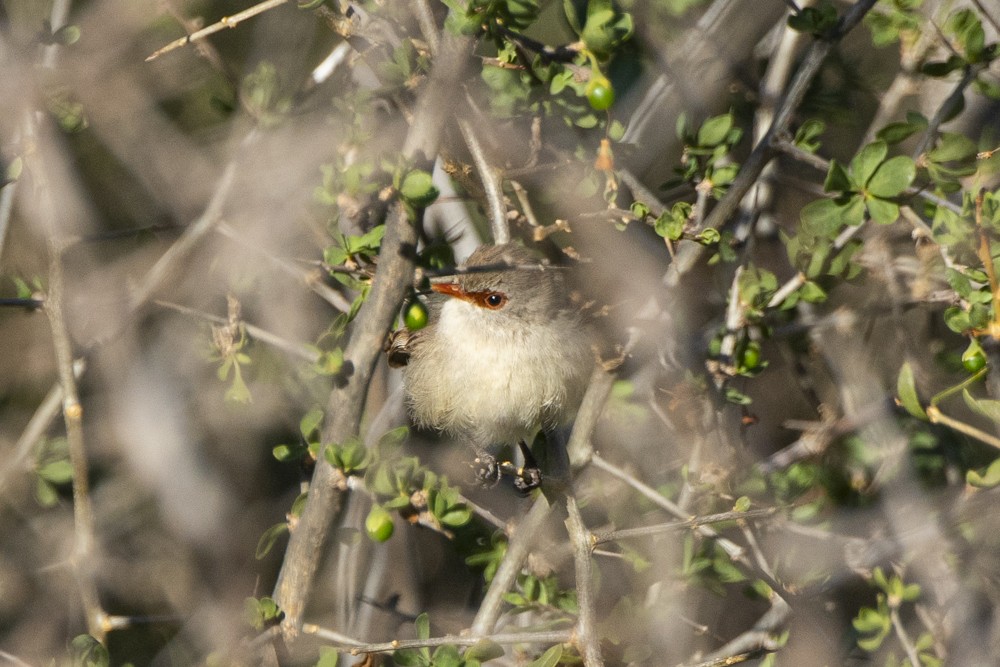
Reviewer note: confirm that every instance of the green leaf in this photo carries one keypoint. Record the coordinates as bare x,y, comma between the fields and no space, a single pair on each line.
986,407
892,177
394,438
550,658
423,626
418,188
86,651
57,472
810,292
45,493
952,146
867,160
881,211
823,217
67,35
328,657
484,650
807,136
893,133
285,453
268,539
943,69
714,130
986,480
310,422
837,179
957,319
907,391
869,620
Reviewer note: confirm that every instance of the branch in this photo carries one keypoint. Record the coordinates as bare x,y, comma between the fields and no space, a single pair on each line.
733,550
221,24
346,403
657,529
298,350
343,642
755,641
517,551
491,184
83,513
588,640
37,426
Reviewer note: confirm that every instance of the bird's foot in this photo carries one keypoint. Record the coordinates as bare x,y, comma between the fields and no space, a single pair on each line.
489,471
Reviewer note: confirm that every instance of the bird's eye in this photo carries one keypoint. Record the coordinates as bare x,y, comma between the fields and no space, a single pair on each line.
495,300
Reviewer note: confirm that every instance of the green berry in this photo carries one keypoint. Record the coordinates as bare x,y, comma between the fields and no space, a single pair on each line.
416,316
379,524
973,359
600,94
751,355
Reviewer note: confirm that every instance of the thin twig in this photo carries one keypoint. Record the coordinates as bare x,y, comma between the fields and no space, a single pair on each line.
83,514
39,423
517,551
491,183
221,24
356,647
733,550
310,278
298,350
755,641
588,640
660,528
946,109
904,637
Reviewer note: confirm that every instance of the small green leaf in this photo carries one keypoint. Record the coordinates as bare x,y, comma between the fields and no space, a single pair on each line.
957,319
67,35
952,146
881,211
714,130
986,407
892,177
907,391
310,422
57,472
268,539
988,479
484,650
810,292
423,626
45,493
86,651
550,658
867,160
418,188
823,217
395,437
837,179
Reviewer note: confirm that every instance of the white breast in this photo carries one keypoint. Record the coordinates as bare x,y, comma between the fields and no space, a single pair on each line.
495,385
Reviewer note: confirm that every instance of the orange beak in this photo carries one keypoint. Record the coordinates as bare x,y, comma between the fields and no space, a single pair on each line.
452,289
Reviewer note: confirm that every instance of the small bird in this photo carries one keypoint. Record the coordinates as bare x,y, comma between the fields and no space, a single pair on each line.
504,355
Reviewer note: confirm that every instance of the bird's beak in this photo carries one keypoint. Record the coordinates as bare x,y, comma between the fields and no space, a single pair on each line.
452,289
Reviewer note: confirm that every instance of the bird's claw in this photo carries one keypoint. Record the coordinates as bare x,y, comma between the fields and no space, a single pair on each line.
489,471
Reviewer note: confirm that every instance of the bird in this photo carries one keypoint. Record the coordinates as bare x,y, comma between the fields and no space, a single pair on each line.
504,355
